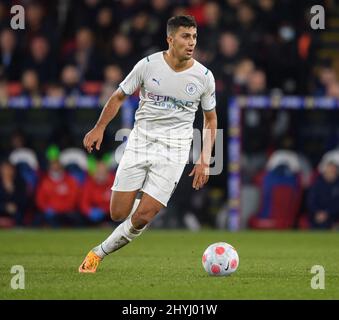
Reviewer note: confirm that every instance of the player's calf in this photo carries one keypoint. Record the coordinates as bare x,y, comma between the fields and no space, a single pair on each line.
121,236
143,217
146,211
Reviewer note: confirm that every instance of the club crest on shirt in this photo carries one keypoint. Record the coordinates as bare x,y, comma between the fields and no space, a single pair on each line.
191,88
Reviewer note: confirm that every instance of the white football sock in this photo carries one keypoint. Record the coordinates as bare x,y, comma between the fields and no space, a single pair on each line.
121,236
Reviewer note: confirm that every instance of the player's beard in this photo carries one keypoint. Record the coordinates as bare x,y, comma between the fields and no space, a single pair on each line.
186,57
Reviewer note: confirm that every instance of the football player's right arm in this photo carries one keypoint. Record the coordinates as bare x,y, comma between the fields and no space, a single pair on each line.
110,110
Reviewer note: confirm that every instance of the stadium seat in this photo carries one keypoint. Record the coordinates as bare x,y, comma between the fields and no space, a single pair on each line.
285,157
14,89
280,200
75,162
250,198
92,87
27,164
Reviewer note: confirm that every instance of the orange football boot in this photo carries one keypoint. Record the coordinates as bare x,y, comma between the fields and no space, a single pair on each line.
90,264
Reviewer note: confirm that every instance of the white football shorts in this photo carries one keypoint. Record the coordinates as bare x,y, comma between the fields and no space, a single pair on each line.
151,166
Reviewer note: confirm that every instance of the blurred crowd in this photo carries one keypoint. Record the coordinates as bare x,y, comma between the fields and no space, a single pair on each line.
73,189
289,193
88,46
64,186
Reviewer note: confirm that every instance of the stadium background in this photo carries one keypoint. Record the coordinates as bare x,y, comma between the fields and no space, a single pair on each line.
56,74
277,89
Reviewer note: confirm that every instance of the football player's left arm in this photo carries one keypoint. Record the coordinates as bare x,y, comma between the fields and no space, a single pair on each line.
201,169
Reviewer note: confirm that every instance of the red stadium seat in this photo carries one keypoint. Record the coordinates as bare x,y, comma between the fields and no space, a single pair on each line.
285,208
92,87
14,89
280,206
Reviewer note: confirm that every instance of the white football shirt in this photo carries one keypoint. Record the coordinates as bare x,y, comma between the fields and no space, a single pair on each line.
169,99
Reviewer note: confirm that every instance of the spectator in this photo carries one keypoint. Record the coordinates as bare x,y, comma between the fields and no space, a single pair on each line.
31,84
229,16
105,25
84,56
323,199
3,92
40,60
160,11
70,79
325,77
283,68
95,199
196,9
262,29
126,9
226,59
208,36
113,76
247,29
4,19
54,95
179,10
267,16
18,139
38,23
333,90
203,55
140,30
229,47
256,84
122,53
10,56
55,90
242,73
85,12
13,196
57,197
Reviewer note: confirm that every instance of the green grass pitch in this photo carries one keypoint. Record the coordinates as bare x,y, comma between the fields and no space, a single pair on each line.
167,265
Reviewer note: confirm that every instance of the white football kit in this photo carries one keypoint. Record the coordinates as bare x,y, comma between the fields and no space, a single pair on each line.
159,144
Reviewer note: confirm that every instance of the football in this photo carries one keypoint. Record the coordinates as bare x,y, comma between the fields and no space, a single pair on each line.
220,259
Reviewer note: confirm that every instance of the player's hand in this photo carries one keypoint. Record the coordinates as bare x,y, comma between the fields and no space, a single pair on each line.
201,175
93,138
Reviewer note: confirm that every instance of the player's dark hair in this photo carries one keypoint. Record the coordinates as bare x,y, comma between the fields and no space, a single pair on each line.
174,23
